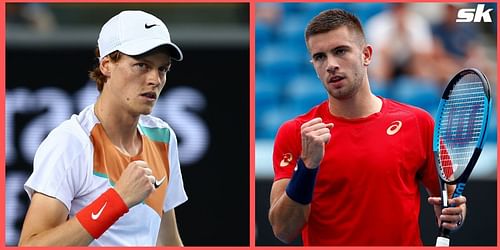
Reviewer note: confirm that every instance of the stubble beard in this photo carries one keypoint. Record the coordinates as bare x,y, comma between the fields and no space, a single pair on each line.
348,90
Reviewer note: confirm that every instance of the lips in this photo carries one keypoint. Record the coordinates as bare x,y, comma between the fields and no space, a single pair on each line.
150,95
334,79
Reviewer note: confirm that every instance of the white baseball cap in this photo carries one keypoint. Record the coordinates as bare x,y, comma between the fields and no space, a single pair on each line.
135,32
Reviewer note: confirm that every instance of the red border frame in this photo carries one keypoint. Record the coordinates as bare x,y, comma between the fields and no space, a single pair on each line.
252,116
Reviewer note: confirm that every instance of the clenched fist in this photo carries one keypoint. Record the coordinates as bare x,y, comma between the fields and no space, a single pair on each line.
315,134
136,183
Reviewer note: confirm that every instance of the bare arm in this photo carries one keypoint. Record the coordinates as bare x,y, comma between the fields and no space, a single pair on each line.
287,217
169,234
46,224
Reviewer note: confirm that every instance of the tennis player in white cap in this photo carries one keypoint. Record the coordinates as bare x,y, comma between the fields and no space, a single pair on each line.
110,175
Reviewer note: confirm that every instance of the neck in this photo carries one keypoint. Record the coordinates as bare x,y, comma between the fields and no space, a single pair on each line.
119,126
362,104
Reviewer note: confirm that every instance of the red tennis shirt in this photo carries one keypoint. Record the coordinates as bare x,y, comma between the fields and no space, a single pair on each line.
366,190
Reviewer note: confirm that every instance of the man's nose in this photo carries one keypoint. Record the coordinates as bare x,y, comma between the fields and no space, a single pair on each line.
155,77
332,64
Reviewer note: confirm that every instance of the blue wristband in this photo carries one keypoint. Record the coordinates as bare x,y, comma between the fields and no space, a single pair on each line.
301,186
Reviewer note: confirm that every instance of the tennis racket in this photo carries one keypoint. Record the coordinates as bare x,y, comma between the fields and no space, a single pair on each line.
459,133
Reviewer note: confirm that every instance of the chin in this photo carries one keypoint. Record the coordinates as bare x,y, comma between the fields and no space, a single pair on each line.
147,112
143,111
340,94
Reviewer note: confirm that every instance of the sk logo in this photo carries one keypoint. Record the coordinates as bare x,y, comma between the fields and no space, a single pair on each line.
476,15
287,158
394,127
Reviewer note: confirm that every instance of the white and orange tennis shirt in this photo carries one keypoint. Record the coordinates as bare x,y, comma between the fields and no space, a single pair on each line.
77,162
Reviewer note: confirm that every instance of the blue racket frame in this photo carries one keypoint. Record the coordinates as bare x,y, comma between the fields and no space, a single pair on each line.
462,180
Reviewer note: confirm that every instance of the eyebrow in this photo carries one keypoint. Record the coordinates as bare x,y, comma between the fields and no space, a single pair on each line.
317,54
144,59
347,47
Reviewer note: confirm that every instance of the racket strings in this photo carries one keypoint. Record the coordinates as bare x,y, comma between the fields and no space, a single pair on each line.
460,125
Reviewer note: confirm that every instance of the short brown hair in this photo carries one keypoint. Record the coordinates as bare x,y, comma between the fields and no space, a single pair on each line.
96,73
333,19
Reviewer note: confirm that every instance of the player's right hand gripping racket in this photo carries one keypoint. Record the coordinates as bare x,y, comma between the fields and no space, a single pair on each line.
459,133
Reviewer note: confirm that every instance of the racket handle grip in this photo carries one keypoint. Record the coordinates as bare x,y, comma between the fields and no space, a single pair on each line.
443,240
443,232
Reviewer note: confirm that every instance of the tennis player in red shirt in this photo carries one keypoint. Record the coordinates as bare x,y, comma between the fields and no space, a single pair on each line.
358,158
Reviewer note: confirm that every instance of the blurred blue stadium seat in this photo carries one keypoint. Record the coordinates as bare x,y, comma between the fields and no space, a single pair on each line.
291,33
416,92
276,59
267,91
303,92
271,119
263,35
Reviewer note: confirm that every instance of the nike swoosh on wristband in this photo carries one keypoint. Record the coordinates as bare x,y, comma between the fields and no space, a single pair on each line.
96,216
159,182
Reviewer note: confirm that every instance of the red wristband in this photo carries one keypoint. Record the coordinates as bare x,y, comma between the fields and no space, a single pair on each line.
97,217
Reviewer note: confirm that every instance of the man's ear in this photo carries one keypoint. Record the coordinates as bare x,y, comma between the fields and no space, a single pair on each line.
104,66
367,54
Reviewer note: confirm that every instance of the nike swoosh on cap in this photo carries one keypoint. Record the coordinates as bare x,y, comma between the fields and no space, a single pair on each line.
159,182
149,26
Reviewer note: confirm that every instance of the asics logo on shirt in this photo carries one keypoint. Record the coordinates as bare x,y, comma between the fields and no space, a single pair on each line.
394,127
159,182
96,216
287,158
